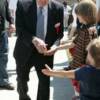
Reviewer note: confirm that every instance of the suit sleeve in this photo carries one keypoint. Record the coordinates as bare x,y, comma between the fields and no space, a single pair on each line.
8,14
59,16
21,29
60,19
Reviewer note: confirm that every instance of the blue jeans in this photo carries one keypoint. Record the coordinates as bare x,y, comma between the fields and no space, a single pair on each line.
3,58
3,71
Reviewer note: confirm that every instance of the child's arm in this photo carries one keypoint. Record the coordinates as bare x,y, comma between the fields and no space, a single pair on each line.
58,73
66,45
72,32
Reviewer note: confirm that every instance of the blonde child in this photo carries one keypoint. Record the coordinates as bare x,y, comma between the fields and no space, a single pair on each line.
88,76
86,13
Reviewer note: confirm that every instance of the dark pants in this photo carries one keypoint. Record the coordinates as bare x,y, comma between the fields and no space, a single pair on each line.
23,77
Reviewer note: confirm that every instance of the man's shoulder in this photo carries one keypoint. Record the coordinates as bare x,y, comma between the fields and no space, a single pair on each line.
56,3
26,2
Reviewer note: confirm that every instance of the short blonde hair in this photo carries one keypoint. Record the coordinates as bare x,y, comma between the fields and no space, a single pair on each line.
94,50
87,10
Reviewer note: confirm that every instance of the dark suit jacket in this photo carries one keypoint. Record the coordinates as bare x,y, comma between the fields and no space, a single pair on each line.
26,19
4,15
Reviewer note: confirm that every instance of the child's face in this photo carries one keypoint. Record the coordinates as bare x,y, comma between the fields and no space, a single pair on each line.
89,59
81,20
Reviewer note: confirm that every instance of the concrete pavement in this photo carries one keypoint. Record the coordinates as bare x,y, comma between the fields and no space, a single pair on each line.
60,88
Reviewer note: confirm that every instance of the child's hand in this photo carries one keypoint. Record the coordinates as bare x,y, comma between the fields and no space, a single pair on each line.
50,52
92,30
47,71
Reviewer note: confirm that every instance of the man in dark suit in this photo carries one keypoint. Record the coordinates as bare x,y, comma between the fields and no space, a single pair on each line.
34,47
4,15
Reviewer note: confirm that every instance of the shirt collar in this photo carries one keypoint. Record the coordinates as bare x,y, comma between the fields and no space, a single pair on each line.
44,7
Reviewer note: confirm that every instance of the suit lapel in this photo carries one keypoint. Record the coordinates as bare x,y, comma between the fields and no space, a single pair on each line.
49,17
32,16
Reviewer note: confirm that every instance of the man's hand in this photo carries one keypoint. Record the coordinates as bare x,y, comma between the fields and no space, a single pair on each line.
51,52
40,45
11,29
